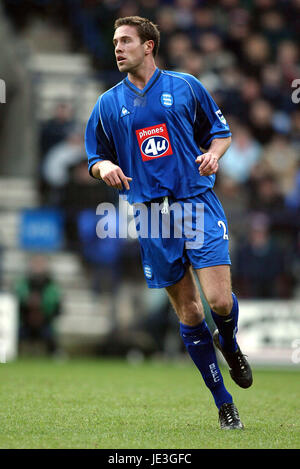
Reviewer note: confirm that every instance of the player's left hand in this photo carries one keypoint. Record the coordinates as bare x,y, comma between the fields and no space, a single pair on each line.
208,164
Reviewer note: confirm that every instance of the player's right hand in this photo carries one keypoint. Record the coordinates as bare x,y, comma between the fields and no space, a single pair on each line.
113,175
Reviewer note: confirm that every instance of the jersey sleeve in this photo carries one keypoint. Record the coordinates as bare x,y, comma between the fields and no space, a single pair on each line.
98,144
209,121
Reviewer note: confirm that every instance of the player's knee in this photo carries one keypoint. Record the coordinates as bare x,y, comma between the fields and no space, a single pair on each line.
191,313
221,305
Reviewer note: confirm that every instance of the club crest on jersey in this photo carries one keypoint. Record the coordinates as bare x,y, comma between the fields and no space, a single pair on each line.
154,142
166,99
148,271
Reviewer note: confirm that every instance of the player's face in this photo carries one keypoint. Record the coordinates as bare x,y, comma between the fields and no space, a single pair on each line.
129,51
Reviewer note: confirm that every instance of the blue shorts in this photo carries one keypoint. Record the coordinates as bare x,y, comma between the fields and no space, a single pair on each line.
193,232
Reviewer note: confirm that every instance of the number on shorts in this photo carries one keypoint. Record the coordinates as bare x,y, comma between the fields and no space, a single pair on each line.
222,224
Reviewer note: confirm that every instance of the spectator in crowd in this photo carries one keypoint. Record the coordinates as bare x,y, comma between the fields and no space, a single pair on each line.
129,8
293,196
265,195
229,4
260,264
230,96
250,92
234,198
272,84
178,46
52,132
287,60
280,159
192,63
59,160
184,13
203,21
295,130
39,300
215,57
274,28
261,6
256,53
57,128
295,256
243,154
80,193
148,9
260,121
236,29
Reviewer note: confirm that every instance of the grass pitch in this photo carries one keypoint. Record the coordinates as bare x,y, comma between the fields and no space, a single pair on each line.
156,405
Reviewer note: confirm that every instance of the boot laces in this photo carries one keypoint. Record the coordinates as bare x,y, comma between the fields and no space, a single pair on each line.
242,361
230,414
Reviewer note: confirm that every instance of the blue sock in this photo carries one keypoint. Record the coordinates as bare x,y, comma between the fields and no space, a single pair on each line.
199,344
227,326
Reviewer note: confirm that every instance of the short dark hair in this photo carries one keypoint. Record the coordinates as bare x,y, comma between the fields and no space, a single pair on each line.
147,31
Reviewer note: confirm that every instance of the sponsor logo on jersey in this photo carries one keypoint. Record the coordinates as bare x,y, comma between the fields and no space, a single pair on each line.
124,112
220,116
154,142
166,99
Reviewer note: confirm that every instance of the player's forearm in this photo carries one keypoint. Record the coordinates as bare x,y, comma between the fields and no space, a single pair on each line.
111,174
209,161
219,146
96,168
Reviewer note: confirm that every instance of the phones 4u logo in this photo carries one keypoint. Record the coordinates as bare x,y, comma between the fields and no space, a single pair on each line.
2,92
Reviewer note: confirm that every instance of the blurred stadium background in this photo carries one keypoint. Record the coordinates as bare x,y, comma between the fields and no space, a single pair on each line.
56,57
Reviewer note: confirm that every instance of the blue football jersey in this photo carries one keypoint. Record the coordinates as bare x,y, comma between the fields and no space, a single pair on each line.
154,134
